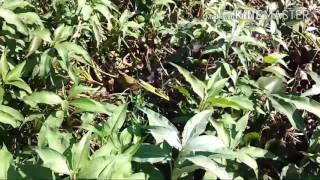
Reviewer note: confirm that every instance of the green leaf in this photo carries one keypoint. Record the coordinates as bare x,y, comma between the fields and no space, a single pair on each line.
288,109
94,167
42,97
197,86
53,160
275,58
210,165
56,140
196,125
248,160
223,102
34,45
150,153
8,119
14,4
217,87
16,72
304,103
163,128
222,132
160,133
80,152
67,49
2,92
272,84
79,89
62,33
20,84
117,119
278,71
11,18
89,105
12,112
119,168
235,102
231,72
30,18
81,4
6,159
97,29
240,128
256,152
204,143
4,67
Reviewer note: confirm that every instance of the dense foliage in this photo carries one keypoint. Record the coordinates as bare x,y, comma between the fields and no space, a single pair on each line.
158,89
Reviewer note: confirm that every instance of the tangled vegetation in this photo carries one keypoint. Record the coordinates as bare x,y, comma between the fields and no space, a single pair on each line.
159,89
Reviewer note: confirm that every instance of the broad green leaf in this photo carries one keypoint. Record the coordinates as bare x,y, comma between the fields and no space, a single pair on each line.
204,143
4,67
232,73
44,34
45,64
20,84
67,49
62,33
30,18
80,152
162,127
14,4
12,112
235,102
217,87
34,45
16,72
196,125
288,109
315,77
119,168
256,152
104,11
248,39
97,29
90,105
2,92
117,119
8,119
210,165
161,132
223,102
87,12
93,168
278,71
81,4
275,58
78,89
6,159
53,160
42,97
240,128
164,2
304,103
272,84
11,18
56,140
248,160
314,90
150,153
197,86
222,132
